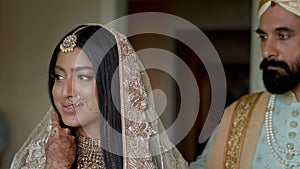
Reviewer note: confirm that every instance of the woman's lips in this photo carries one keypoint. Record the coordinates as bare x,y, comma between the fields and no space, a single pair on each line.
71,108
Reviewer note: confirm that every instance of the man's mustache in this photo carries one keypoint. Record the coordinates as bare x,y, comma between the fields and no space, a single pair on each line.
265,63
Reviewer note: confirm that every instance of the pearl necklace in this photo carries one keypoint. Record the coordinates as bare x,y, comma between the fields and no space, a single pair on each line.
271,139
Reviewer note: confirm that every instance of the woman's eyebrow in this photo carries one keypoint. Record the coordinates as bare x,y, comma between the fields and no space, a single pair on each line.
82,68
75,69
59,68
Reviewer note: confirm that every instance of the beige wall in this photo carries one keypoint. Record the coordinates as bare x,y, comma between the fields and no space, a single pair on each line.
256,83
29,32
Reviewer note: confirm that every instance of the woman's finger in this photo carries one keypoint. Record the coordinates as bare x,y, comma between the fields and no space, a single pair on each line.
55,131
67,130
54,118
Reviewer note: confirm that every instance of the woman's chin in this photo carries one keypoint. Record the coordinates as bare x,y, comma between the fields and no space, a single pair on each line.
72,123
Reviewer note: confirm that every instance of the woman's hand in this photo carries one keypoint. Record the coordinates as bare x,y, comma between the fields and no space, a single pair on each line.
61,146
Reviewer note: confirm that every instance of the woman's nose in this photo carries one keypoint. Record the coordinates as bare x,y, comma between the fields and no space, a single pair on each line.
68,88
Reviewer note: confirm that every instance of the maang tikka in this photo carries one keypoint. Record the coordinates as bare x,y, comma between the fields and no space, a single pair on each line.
69,43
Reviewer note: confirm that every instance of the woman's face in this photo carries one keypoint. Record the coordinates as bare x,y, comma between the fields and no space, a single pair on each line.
74,90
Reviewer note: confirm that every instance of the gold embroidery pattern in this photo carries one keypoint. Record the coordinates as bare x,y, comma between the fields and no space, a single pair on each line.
240,120
35,151
89,153
137,128
36,155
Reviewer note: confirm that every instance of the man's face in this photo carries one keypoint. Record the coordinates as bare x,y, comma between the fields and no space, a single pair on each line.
279,31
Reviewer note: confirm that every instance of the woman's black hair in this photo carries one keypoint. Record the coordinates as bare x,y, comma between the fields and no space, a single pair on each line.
100,46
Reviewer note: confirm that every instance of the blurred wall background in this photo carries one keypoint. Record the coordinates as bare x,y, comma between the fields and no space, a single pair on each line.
29,31
230,26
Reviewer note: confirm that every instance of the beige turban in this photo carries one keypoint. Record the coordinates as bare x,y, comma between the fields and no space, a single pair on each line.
290,5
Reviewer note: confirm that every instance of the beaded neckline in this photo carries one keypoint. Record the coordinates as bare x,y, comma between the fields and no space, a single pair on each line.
89,153
273,143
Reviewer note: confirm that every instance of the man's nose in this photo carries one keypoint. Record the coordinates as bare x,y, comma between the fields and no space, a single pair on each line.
269,49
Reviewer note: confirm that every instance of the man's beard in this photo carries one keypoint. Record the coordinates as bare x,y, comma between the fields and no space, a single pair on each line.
276,82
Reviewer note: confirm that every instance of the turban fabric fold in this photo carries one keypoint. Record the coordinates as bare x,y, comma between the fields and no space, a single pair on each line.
292,6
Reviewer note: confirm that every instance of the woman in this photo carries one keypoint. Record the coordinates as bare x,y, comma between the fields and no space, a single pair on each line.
102,115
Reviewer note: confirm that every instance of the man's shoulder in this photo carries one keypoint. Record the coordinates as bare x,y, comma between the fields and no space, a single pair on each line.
247,102
251,97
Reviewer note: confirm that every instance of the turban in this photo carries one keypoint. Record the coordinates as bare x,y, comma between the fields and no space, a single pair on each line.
292,6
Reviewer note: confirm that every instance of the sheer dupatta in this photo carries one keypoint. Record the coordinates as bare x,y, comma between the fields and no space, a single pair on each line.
145,143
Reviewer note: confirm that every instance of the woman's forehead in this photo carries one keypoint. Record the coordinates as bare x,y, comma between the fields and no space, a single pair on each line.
75,58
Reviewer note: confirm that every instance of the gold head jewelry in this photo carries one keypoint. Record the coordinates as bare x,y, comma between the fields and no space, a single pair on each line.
69,43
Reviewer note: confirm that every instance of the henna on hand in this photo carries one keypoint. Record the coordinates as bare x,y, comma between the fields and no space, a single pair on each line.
61,146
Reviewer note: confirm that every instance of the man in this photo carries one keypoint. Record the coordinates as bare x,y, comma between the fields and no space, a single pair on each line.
260,130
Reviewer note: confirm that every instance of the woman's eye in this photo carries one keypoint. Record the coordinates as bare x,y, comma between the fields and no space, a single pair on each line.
58,77
84,77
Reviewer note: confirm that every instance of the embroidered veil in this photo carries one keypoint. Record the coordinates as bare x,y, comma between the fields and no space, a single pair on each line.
144,140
